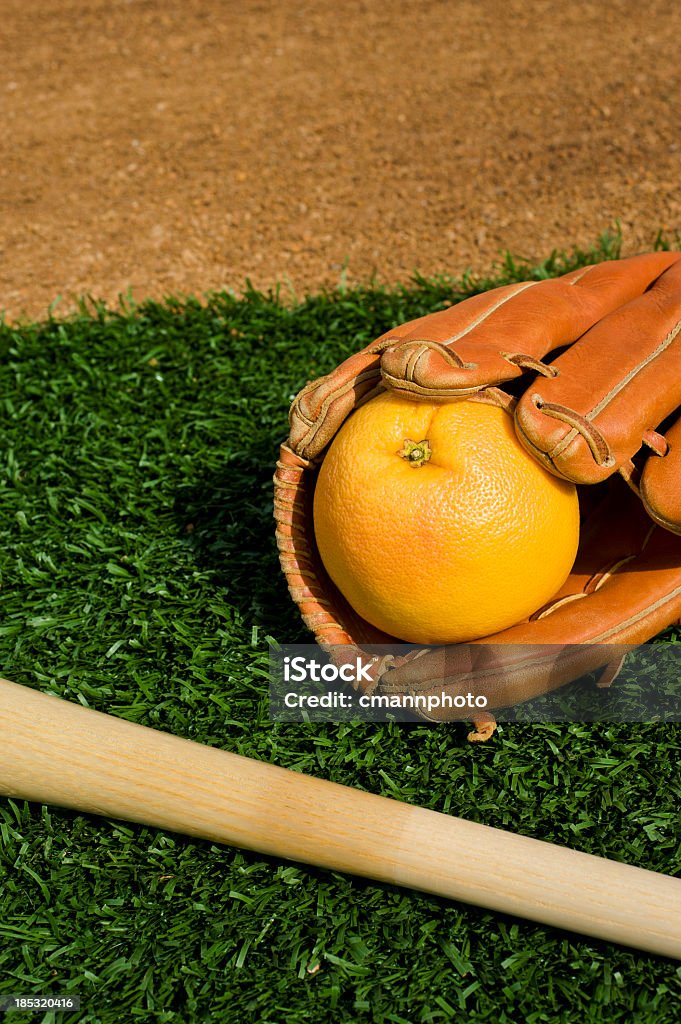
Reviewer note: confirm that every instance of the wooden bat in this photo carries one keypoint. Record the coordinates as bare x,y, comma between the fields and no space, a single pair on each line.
56,752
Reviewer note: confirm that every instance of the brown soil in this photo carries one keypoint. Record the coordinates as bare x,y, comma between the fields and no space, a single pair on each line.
185,145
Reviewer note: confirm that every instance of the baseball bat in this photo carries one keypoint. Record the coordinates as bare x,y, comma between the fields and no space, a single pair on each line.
58,752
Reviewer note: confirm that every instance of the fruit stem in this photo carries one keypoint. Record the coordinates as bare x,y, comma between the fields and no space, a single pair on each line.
416,453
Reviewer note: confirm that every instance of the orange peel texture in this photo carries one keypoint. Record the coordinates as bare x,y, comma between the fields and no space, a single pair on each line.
436,525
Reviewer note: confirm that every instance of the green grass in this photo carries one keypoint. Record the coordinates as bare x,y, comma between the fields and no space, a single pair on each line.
139,576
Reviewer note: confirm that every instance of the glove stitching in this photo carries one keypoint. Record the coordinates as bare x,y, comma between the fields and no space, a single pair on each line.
517,290
583,273
530,363
672,525
318,621
319,423
553,606
412,362
399,384
607,572
381,346
583,424
631,475
628,377
636,618
285,467
426,344
538,453
523,662
656,442
580,424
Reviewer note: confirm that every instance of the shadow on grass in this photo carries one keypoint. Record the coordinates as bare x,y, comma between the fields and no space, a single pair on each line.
227,519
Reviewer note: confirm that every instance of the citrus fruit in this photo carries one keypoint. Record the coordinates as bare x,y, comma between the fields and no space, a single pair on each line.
436,525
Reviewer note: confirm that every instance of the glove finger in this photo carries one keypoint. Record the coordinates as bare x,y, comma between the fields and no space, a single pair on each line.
614,386
497,336
470,346
321,407
660,484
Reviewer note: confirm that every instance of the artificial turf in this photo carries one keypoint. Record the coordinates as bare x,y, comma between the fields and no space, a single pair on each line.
139,576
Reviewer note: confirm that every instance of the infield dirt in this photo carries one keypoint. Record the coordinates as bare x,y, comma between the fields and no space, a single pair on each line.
180,147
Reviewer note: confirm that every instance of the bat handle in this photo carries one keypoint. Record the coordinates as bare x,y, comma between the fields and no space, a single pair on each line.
58,752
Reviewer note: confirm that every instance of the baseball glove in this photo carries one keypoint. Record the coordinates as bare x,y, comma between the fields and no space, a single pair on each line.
589,365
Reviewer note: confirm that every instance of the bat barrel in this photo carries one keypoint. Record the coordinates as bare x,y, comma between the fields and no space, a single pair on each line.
57,752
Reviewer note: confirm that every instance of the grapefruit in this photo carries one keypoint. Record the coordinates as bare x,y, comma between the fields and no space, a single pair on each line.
435,523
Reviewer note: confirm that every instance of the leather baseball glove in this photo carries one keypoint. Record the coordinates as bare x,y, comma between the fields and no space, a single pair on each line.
589,365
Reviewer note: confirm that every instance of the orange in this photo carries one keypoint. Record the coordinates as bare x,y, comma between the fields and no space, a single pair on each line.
436,524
